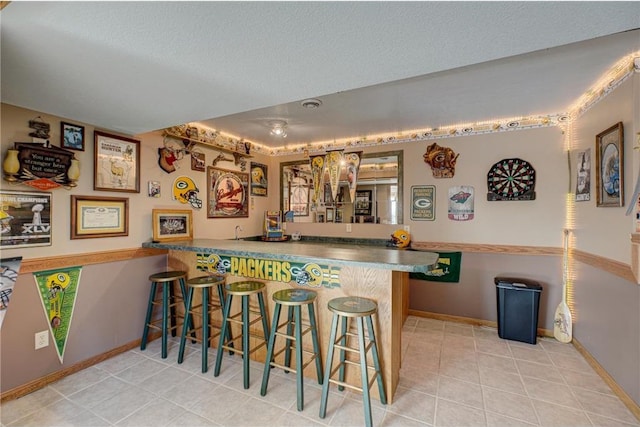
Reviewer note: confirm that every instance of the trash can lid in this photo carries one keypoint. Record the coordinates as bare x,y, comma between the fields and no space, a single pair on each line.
517,283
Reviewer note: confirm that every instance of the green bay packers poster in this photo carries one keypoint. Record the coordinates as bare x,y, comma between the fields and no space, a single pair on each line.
25,219
258,179
58,290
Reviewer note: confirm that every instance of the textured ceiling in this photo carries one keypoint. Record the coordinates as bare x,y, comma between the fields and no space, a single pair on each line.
133,67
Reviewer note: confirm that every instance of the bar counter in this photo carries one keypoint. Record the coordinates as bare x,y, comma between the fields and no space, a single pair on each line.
331,269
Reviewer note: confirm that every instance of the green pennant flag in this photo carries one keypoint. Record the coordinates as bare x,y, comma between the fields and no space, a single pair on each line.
448,269
58,290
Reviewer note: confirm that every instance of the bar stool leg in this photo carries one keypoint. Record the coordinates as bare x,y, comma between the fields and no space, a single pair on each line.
263,314
287,352
185,326
223,334
343,353
299,366
166,286
366,398
316,344
376,361
221,298
145,333
270,348
327,369
245,340
205,329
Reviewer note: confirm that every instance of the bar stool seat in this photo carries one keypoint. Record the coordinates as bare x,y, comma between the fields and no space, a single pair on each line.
294,299
360,309
246,317
204,310
168,303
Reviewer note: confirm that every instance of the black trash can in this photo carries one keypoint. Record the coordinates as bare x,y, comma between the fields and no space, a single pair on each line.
518,302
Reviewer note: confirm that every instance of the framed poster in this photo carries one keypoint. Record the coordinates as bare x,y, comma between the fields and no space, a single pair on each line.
423,202
227,194
583,178
329,214
71,136
172,224
362,203
116,163
610,167
99,217
300,197
25,219
258,179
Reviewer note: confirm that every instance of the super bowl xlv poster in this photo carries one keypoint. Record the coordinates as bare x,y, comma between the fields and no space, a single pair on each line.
58,290
25,219
461,200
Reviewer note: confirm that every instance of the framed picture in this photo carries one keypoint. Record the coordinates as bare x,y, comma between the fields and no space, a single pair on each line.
320,217
116,163
71,136
93,216
228,193
328,197
154,189
258,179
25,219
610,166
172,224
338,217
329,214
362,203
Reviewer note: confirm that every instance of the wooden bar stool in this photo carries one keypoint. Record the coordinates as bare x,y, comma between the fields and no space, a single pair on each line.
205,309
242,289
294,299
168,303
359,309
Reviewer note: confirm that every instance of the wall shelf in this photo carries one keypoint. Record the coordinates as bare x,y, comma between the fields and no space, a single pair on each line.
237,155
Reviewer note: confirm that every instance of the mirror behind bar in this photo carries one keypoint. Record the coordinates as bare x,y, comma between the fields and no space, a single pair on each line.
378,197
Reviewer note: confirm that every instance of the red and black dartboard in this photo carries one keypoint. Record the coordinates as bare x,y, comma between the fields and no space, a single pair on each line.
511,179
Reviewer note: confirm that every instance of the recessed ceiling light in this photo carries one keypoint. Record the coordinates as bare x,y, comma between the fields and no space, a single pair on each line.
311,103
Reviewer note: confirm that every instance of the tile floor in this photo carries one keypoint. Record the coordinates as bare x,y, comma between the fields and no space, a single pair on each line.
452,375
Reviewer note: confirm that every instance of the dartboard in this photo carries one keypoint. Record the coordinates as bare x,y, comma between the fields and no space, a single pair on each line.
511,179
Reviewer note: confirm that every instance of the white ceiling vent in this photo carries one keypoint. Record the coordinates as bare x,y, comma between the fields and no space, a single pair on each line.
311,103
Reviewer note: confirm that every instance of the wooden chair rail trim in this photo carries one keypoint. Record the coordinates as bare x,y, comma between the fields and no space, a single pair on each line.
616,268
71,260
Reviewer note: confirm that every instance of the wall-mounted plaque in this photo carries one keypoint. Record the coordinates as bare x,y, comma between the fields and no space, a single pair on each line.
43,168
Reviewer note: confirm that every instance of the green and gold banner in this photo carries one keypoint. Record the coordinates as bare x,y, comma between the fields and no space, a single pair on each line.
352,162
317,172
448,269
303,274
58,290
333,161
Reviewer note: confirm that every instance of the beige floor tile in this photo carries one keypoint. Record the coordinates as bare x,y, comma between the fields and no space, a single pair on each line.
415,405
604,405
419,379
458,329
123,404
156,413
497,420
501,380
351,413
533,354
121,361
551,415
494,347
568,361
508,404
188,392
490,361
539,371
430,324
255,413
451,414
63,412
94,395
462,370
164,379
14,409
79,380
295,419
547,391
601,421
221,403
462,392
555,346
190,419
588,380
486,332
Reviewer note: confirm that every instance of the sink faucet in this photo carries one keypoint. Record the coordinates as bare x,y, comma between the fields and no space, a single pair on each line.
238,228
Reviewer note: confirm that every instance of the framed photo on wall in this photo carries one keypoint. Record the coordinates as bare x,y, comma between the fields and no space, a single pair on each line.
228,194
610,167
362,204
71,136
172,224
116,163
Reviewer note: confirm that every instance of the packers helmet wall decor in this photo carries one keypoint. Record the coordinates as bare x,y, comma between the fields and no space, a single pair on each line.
186,191
400,239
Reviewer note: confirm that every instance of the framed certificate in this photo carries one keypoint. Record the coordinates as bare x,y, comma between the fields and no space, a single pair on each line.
99,217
